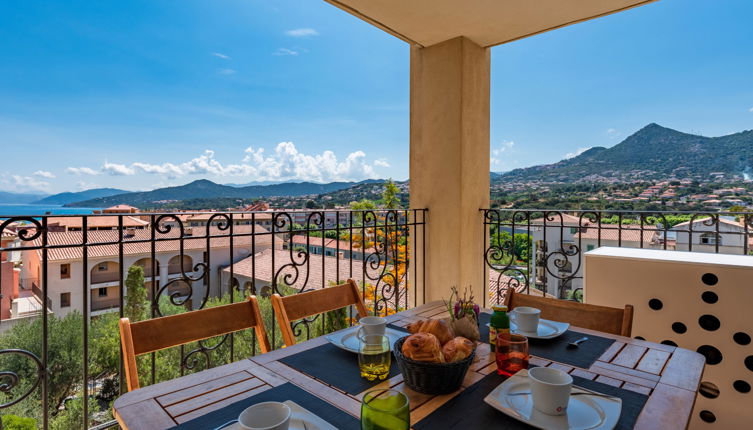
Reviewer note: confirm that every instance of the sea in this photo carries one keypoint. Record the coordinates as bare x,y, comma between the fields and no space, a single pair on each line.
7,210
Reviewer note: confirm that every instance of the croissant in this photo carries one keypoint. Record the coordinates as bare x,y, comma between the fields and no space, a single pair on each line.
423,347
457,349
439,328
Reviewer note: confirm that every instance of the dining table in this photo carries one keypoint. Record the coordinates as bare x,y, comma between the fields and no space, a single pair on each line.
665,378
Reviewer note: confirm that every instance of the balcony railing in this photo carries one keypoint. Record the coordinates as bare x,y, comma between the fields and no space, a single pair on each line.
540,251
63,367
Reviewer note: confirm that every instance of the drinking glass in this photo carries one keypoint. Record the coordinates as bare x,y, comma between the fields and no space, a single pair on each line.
385,409
512,353
374,357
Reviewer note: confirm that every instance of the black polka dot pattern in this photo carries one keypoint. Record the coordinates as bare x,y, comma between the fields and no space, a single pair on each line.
710,297
709,322
707,416
741,386
655,304
709,279
741,338
709,390
749,362
712,354
668,342
679,328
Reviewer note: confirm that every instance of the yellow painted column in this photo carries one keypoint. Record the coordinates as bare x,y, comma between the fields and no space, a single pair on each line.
449,162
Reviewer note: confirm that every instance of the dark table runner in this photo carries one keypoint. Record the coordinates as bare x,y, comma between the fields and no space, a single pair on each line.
334,366
468,410
556,349
287,391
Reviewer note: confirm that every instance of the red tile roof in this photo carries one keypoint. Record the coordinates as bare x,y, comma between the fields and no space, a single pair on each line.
568,220
95,221
300,239
628,233
309,274
74,239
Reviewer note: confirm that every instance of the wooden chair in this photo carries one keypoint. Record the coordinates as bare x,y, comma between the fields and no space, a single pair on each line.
297,306
152,335
601,318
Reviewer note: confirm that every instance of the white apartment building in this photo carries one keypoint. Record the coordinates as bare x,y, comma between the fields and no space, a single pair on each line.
702,236
66,267
558,249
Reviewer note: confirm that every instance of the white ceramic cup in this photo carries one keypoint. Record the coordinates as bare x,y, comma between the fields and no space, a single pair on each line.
265,416
526,318
372,325
550,389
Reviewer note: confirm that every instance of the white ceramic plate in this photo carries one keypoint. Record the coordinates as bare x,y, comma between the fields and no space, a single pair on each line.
546,330
347,339
584,412
299,415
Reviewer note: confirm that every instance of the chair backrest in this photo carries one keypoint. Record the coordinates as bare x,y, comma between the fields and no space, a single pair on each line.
601,318
155,334
297,306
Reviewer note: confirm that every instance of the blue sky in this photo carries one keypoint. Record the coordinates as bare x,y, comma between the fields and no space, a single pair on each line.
139,94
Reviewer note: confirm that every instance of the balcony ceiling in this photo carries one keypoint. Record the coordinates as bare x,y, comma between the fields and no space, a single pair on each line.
486,22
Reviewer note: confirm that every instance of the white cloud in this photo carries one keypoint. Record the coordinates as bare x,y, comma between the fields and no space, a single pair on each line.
497,152
302,32
227,71
44,174
221,55
285,163
285,51
115,169
576,153
19,183
750,110
78,171
613,133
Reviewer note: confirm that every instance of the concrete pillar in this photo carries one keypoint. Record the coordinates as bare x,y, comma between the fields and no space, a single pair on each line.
449,162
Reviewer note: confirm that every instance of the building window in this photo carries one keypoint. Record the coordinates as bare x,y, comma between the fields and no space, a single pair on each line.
710,239
65,271
573,230
65,300
102,292
590,247
102,267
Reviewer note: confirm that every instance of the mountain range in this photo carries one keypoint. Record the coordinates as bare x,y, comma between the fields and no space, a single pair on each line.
653,152
203,189
68,197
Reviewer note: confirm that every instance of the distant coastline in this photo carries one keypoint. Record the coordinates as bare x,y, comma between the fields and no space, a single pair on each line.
38,210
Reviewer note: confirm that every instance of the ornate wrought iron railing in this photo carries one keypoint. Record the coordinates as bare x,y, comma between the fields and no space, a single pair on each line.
65,364
541,250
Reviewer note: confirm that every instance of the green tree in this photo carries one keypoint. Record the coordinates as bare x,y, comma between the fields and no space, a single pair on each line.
14,422
136,305
389,196
310,204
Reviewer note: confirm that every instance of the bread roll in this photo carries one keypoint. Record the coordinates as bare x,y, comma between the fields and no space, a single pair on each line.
439,328
457,349
423,347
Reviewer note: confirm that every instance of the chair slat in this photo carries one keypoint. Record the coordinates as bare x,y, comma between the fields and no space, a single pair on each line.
160,333
302,305
595,317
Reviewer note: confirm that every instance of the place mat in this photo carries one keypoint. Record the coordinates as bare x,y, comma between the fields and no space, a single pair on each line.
468,410
334,366
339,419
556,349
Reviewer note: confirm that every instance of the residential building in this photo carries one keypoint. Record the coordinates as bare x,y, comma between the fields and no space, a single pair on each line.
329,247
67,275
728,236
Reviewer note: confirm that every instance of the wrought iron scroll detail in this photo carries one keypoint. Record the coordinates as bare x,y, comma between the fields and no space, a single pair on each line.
10,380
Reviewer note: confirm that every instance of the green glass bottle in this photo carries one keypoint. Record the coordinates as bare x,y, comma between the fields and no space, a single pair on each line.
499,323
